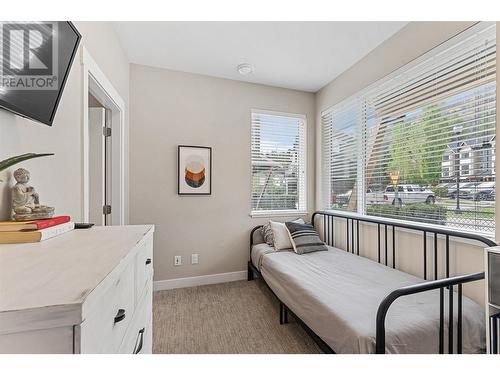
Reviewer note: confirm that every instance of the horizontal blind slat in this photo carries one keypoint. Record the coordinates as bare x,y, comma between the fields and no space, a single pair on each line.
278,144
431,122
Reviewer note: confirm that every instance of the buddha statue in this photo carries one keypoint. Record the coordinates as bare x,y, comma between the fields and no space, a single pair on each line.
25,200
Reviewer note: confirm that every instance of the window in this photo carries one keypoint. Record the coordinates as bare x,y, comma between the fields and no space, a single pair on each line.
413,127
278,154
464,169
340,157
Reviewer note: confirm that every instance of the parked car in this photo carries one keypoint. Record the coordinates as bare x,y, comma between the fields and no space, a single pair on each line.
484,191
374,195
491,197
408,194
466,190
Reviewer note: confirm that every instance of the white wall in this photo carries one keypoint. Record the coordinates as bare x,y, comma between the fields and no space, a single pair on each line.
169,108
58,179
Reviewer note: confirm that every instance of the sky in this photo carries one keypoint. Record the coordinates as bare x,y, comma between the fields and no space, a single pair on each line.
277,133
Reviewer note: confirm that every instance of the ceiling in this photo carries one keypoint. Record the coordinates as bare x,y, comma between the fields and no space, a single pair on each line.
296,55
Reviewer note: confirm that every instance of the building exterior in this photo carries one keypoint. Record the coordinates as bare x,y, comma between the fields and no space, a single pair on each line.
476,160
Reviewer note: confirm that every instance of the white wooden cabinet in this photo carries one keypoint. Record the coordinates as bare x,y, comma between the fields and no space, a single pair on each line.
88,291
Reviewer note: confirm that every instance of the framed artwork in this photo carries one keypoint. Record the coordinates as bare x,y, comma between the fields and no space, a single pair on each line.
194,170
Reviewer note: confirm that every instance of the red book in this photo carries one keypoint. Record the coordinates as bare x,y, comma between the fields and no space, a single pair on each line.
17,226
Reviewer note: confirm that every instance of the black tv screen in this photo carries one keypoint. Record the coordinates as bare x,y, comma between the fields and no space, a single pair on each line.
35,60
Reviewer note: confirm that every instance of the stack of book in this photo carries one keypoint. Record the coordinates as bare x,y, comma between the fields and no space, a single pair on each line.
34,231
495,333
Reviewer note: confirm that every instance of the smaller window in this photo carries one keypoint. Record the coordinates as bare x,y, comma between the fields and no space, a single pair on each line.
464,155
278,155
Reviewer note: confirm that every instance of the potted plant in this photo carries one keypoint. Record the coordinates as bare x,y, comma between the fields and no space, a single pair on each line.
9,162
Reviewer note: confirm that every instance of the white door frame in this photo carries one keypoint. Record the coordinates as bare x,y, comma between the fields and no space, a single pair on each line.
95,82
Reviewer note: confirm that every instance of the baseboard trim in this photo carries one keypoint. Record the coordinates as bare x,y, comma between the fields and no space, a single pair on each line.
186,282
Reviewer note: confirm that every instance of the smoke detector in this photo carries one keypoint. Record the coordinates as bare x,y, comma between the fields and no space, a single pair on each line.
245,69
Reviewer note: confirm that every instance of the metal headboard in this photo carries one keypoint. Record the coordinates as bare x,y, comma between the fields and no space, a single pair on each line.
352,236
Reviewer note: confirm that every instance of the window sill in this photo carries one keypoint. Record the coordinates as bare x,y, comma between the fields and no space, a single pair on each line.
287,213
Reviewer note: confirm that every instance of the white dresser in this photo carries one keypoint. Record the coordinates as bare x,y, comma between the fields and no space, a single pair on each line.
88,291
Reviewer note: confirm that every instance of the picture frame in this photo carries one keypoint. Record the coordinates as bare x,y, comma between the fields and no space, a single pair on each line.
194,170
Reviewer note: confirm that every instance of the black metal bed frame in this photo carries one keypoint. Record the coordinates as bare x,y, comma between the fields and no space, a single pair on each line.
352,245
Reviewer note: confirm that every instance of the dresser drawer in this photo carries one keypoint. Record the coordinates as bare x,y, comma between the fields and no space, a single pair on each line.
138,337
104,329
143,267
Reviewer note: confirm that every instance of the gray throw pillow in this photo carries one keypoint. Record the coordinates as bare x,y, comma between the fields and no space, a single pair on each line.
304,238
267,233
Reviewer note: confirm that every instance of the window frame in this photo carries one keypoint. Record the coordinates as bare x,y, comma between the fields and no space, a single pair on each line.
302,195
363,98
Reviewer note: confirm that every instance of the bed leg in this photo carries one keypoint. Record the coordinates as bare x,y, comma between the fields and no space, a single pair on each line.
250,272
283,314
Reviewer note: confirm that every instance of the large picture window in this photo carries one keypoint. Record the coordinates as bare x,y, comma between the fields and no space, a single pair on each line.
425,139
278,163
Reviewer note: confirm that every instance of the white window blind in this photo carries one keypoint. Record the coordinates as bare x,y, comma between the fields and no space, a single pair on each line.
340,145
278,162
425,129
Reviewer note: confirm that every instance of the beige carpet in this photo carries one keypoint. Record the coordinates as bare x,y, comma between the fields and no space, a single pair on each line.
237,317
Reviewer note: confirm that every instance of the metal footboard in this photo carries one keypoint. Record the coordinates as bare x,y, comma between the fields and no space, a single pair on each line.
424,287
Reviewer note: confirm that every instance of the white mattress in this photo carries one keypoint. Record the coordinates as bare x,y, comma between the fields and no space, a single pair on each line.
258,252
337,295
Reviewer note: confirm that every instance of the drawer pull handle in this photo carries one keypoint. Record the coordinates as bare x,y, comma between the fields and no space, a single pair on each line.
138,348
148,261
120,315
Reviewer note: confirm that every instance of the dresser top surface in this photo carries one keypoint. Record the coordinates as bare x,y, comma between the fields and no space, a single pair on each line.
65,269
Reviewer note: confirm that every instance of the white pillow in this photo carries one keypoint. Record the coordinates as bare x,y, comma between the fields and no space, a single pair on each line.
282,235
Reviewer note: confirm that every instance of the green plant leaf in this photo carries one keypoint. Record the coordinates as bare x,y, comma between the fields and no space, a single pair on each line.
7,163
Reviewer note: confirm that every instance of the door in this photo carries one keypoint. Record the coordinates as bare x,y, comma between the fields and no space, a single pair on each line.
99,171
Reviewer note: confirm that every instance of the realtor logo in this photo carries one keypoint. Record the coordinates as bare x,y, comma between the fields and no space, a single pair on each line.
28,56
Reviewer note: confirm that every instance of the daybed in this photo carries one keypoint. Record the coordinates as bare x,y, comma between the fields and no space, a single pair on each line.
351,304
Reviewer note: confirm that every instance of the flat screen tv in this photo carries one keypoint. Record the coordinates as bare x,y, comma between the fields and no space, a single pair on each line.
35,60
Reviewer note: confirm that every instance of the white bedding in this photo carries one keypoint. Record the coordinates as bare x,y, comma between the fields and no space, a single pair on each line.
258,252
337,295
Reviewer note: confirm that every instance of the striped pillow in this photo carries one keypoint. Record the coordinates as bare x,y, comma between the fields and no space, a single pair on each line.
304,238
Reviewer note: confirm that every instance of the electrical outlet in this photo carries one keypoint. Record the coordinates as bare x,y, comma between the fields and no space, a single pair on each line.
194,258
177,260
